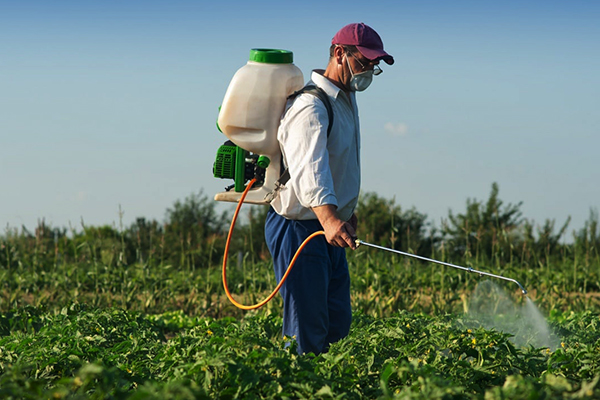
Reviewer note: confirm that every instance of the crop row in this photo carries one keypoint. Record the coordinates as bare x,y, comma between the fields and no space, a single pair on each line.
83,352
381,285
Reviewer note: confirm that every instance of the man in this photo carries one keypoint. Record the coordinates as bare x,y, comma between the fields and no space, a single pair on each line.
322,192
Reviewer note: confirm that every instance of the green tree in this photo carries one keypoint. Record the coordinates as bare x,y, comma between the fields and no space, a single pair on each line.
484,229
146,239
543,244
191,230
100,244
383,222
252,233
587,239
41,249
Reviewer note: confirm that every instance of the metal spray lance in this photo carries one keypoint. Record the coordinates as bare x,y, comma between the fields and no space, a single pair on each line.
360,242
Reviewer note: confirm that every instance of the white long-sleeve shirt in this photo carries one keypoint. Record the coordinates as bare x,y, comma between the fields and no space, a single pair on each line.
322,170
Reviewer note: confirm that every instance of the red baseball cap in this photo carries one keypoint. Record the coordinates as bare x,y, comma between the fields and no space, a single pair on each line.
366,40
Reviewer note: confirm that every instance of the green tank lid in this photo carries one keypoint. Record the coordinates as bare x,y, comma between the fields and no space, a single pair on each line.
271,56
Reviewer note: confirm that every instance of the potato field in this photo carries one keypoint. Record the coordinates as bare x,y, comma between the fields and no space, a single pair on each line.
139,312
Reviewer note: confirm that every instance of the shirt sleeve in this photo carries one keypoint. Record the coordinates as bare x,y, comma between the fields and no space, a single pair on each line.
303,138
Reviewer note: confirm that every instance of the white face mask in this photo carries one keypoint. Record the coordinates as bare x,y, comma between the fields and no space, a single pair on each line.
360,81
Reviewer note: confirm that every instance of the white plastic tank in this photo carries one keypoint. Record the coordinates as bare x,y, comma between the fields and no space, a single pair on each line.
255,100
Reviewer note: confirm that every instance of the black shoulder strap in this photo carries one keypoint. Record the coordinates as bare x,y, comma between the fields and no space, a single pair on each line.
319,93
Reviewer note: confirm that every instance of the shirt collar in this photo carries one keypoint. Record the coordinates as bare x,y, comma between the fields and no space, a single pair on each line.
332,90
324,83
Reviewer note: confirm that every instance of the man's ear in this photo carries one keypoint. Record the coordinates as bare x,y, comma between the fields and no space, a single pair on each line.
338,53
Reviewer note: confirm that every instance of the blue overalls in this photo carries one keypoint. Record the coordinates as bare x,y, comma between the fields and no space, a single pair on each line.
316,294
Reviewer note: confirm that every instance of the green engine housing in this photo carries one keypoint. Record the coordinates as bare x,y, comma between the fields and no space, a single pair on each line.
233,162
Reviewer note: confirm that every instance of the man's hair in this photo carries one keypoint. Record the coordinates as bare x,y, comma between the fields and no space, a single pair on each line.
350,48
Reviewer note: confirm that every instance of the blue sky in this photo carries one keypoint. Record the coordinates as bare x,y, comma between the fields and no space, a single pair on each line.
108,106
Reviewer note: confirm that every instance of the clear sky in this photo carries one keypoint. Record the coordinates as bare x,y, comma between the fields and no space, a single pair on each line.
108,105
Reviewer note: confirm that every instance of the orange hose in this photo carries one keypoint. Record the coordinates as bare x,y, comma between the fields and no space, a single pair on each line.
287,272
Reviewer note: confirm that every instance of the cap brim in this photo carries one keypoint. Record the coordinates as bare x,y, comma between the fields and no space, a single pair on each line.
376,54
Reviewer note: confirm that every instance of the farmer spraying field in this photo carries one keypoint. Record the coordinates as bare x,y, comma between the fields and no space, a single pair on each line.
306,167
322,192
319,140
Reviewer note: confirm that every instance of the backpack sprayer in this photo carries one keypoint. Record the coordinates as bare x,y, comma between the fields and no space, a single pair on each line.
249,116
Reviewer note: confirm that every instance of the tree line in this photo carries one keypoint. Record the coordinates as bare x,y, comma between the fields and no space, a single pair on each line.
193,234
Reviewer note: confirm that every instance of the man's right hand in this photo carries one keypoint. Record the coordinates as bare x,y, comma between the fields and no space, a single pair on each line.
337,232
